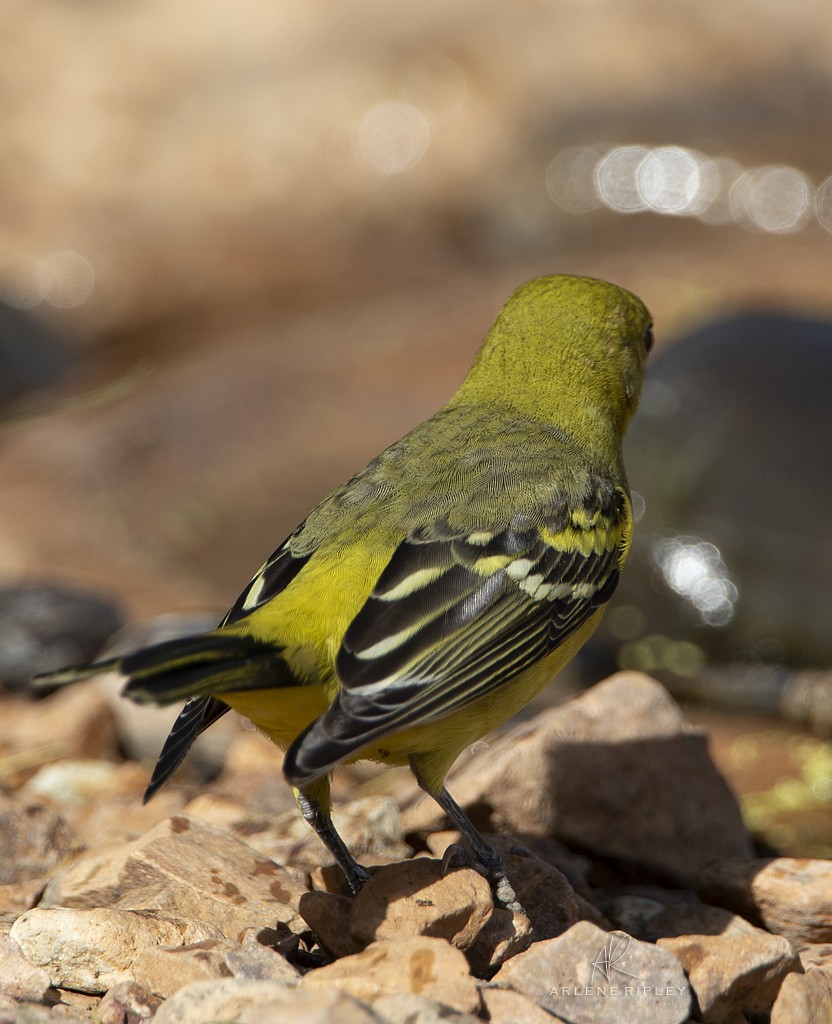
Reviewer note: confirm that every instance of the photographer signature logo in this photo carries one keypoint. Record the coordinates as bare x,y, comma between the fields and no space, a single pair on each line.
611,960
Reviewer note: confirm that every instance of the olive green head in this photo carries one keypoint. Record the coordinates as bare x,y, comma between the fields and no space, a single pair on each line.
569,350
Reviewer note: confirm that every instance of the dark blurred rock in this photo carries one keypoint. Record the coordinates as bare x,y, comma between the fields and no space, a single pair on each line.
45,627
31,355
730,452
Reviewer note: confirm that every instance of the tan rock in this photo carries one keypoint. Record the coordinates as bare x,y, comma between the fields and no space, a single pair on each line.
790,896
328,915
75,722
18,977
415,898
804,999
735,975
75,1006
165,969
681,919
408,1008
504,1006
17,897
92,950
370,826
543,891
34,837
505,935
252,961
639,785
588,974
424,966
184,868
253,1002
127,1003
816,954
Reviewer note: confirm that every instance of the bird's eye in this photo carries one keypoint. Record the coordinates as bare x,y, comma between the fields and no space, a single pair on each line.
648,338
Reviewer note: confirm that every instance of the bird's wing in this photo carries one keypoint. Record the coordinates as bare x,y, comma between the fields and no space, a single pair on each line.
193,719
276,573
456,614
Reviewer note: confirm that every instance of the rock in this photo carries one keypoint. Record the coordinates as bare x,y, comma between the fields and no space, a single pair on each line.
370,826
735,975
816,954
253,961
19,978
638,786
114,815
328,914
804,999
92,950
589,975
505,935
408,1008
45,627
504,1006
17,897
543,891
416,898
424,966
650,912
74,722
184,868
74,782
32,353
758,378
33,839
789,896
127,1003
253,1002
164,970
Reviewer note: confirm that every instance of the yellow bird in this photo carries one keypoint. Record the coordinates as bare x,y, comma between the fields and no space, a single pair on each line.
432,596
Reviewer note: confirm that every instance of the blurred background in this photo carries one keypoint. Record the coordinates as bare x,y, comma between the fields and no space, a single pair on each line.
244,247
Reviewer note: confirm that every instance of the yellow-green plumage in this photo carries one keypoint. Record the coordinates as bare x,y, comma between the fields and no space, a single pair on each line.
434,594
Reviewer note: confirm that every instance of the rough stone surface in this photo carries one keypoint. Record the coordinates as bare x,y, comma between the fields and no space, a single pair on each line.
253,1002
589,975
184,868
75,722
19,978
33,838
639,786
804,999
407,1008
414,898
127,1003
424,966
790,896
165,969
505,1006
735,975
370,826
329,915
252,961
92,950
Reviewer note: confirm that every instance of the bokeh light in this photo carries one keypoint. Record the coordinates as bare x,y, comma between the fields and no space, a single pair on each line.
685,182
694,569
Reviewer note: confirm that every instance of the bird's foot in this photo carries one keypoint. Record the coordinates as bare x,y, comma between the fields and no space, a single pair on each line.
456,856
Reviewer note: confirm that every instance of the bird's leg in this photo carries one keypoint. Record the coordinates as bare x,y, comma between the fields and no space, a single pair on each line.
321,823
487,856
